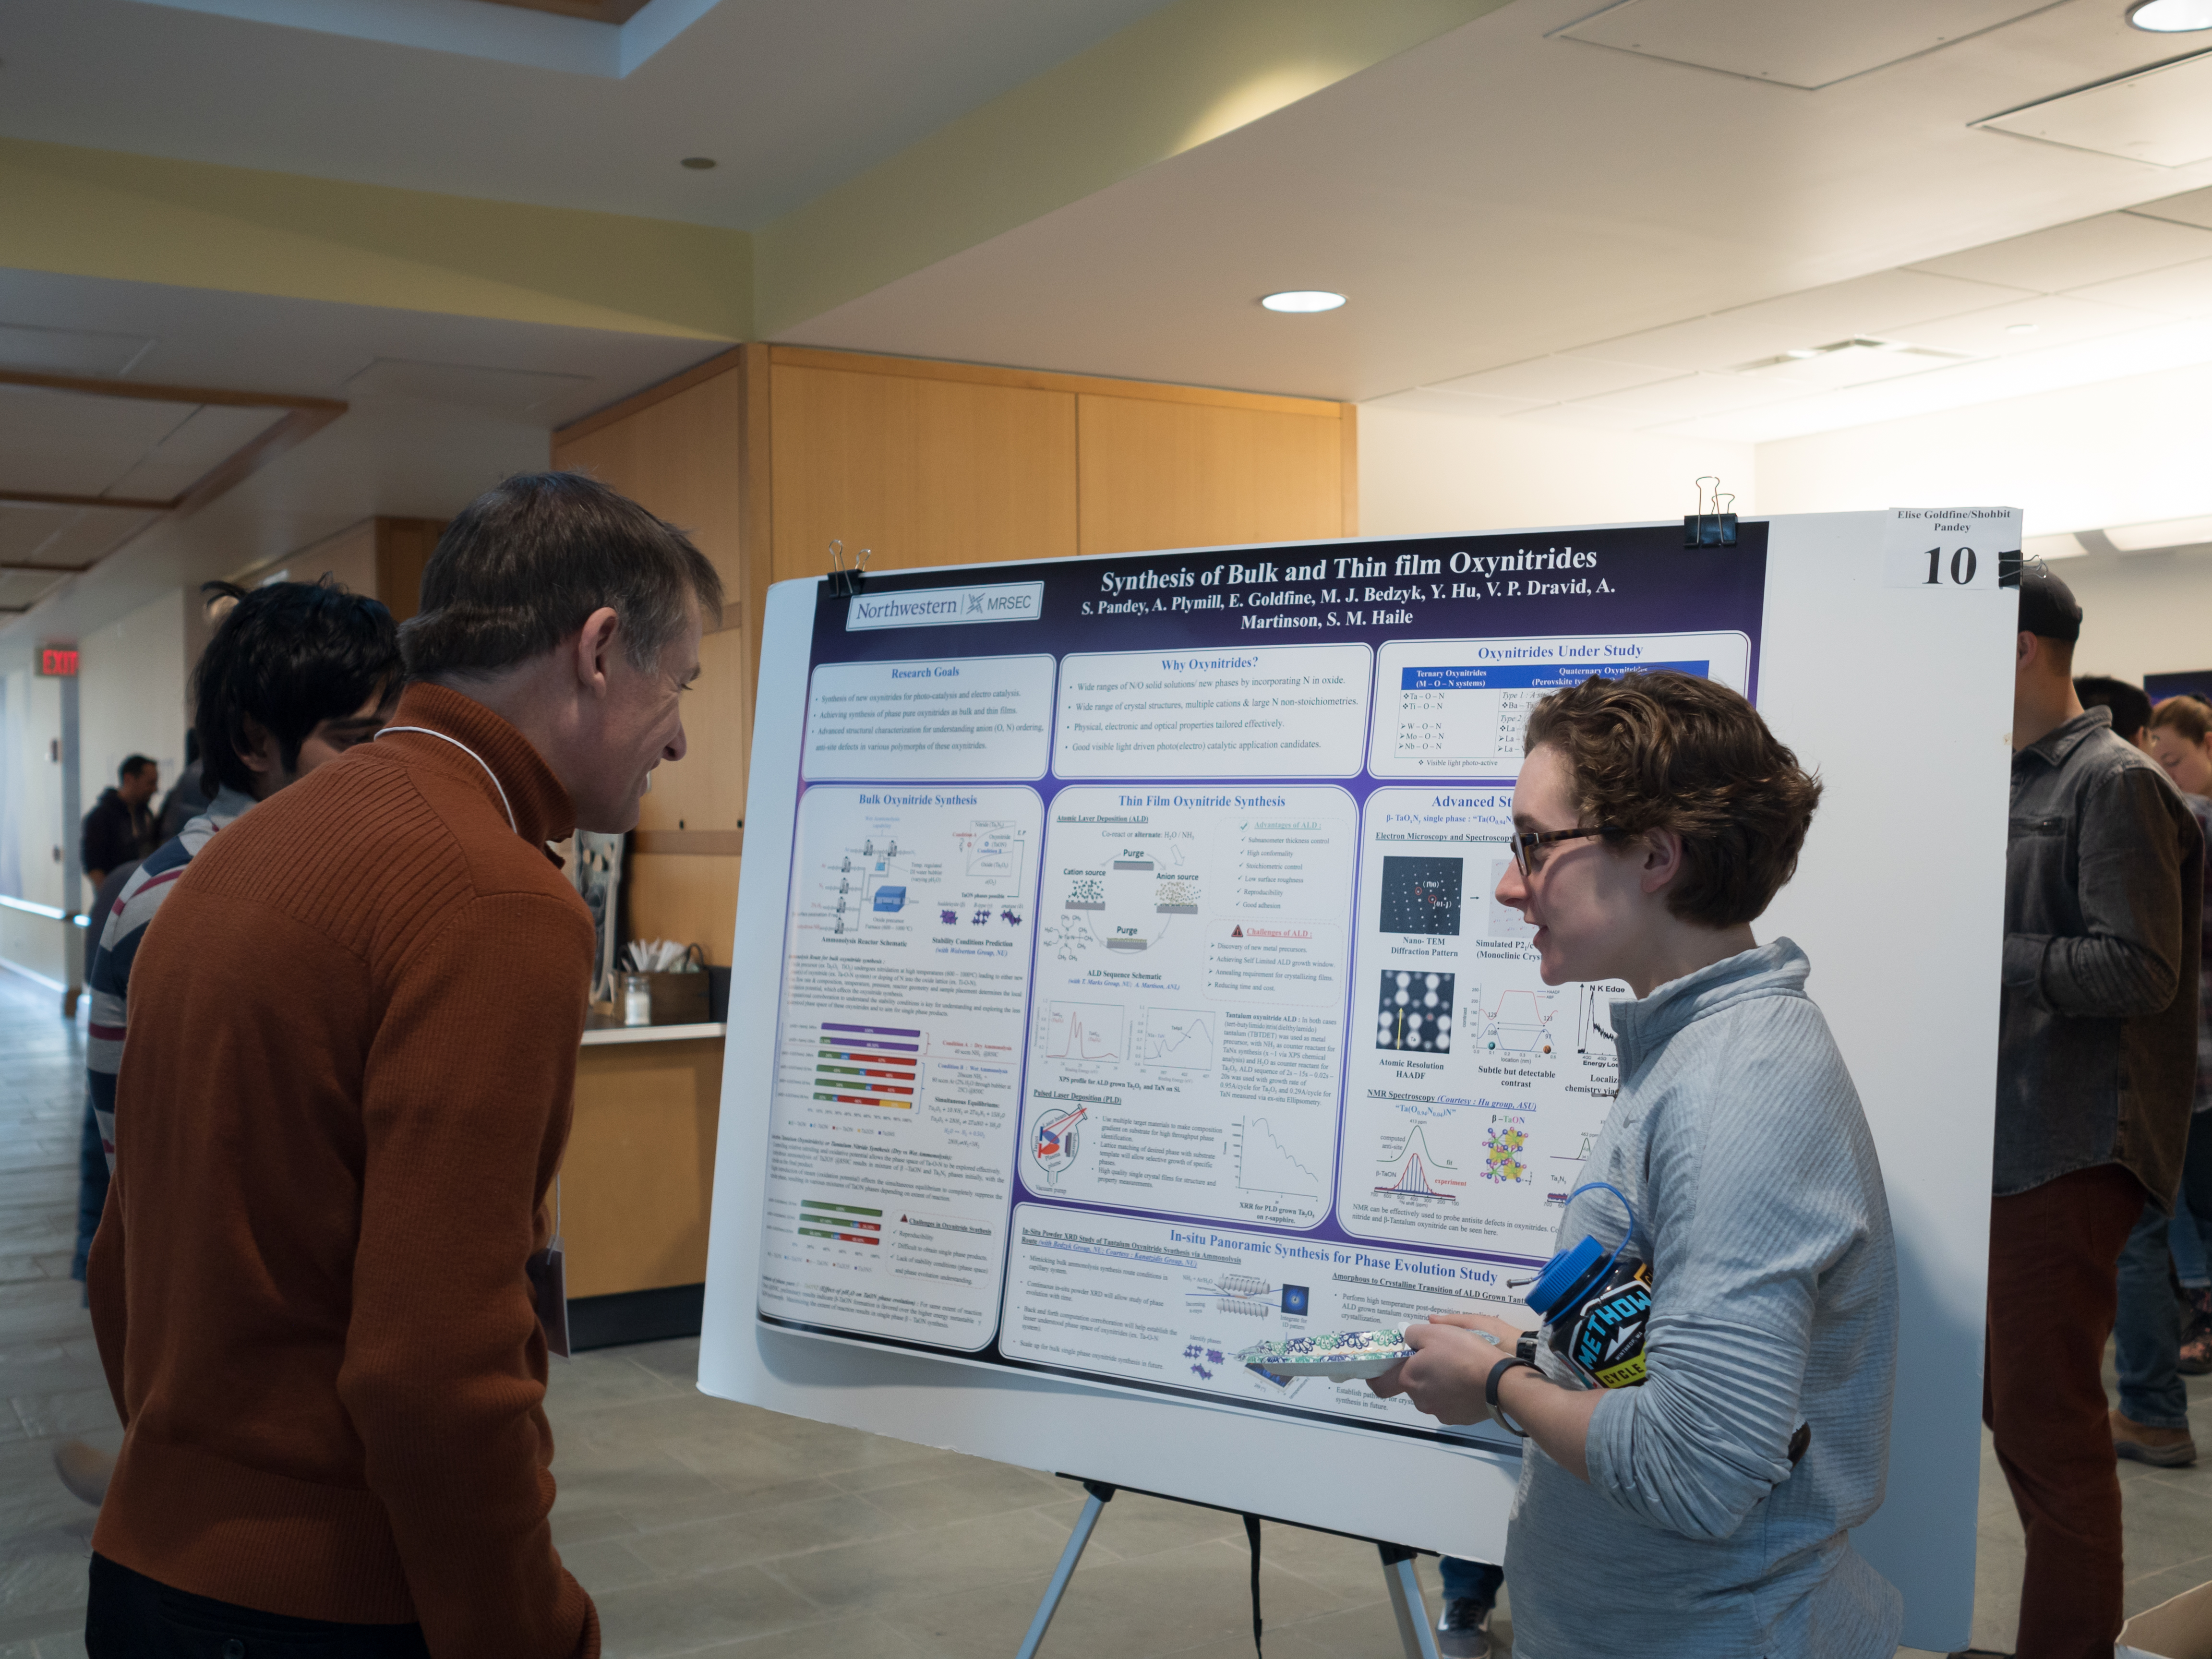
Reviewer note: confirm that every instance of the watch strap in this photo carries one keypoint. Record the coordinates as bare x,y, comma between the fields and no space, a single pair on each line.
1509,1362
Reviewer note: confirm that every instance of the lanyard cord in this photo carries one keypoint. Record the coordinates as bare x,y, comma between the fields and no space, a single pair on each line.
473,756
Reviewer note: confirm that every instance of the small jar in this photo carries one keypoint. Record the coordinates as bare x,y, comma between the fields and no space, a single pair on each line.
637,1000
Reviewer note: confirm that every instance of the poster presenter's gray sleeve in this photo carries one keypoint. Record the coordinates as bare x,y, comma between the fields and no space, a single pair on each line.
1747,1222
1739,1139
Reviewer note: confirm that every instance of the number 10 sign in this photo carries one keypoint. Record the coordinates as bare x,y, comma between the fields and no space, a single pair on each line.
1948,547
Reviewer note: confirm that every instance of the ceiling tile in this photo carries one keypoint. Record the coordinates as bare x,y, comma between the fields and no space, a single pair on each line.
22,588
25,529
468,385
94,533
2162,115
1587,414
69,350
1555,379
1877,305
72,536
1695,394
2191,207
74,443
2056,320
2176,291
1721,341
1797,43
215,433
2069,255
1432,400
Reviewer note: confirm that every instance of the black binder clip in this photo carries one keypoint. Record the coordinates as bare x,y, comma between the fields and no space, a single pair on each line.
1713,528
845,580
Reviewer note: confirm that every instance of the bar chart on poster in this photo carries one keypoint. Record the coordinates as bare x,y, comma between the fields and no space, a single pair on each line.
1123,981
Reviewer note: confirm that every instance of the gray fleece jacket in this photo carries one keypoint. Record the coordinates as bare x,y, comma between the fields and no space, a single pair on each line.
1739,1138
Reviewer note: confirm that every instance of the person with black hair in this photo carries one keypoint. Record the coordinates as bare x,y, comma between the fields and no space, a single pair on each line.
297,674
120,826
2131,706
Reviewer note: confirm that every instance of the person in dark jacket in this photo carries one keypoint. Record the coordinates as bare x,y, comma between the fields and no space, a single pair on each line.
2096,1075
120,826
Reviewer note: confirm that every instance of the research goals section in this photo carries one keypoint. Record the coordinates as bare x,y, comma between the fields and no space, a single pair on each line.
1144,991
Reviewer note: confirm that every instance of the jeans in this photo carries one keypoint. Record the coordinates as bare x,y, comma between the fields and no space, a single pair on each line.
2152,1317
2054,1252
131,1616
1470,1581
91,1188
2188,1246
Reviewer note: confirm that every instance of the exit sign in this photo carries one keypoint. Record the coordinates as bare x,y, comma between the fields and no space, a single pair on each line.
58,661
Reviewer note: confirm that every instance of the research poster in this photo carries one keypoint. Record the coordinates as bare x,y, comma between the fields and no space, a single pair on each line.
1144,992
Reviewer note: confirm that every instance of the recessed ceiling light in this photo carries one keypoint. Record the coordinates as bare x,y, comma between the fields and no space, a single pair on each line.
2171,16
1302,299
698,163
2021,328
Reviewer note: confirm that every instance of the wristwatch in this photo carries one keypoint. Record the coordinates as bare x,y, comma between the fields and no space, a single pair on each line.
1510,1362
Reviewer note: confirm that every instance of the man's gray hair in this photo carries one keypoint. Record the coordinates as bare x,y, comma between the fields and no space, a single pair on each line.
524,566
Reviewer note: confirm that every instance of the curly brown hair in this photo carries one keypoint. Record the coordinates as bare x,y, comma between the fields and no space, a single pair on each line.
1662,749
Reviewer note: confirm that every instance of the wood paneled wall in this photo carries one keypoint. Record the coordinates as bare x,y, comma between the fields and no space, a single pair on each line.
766,455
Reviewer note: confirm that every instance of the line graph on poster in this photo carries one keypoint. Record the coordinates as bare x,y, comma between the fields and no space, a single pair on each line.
1521,1024
1082,1030
1175,1039
1410,1170
1264,1164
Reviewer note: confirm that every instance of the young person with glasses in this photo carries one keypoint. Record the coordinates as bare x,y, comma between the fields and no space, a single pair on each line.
1655,818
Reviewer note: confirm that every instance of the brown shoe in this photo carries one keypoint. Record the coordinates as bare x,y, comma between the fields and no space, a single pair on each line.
2196,1359
2168,1449
84,1470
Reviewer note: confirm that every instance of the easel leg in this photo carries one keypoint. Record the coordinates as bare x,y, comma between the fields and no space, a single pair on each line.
1076,1541
1420,1642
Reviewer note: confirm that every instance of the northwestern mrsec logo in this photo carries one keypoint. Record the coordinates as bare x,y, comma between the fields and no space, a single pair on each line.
925,607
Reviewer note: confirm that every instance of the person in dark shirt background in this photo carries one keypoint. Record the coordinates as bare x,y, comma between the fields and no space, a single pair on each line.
120,827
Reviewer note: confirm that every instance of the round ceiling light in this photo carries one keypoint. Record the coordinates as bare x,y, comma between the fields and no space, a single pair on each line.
1302,299
2170,16
698,163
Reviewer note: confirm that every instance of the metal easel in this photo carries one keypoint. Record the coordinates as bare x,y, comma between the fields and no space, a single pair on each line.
1405,1586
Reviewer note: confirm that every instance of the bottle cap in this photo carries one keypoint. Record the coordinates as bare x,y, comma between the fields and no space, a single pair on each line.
1566,1273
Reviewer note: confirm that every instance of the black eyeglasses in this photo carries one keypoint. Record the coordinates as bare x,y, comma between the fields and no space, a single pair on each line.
1525,843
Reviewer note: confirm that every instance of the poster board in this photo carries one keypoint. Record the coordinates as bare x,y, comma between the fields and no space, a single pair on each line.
1116,1060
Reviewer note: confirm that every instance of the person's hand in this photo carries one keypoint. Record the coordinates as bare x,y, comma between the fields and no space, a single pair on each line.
1446,1376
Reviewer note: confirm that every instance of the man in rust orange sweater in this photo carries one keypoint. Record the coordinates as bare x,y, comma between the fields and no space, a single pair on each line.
345,1095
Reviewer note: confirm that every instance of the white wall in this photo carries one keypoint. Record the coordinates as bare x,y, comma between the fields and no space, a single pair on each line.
131,691
31,825
2127,451
2133,450
1426,469
2143,613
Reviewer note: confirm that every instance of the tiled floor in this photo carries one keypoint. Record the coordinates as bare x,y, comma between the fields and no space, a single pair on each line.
705,1528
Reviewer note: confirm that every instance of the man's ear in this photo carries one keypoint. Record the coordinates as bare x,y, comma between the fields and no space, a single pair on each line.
595,649
2024,649
259,757
1662,859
